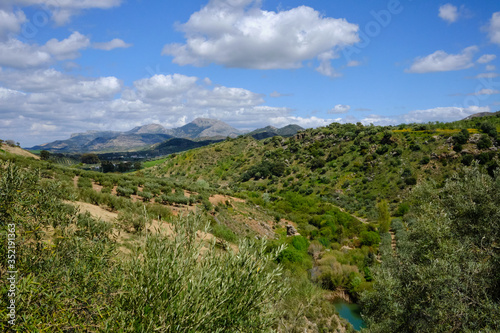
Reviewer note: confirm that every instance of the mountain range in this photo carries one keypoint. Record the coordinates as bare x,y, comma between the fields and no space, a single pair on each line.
148,136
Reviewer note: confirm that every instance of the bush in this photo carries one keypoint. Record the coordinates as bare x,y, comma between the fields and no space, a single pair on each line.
221,231
370,238
467,159
484,142
446,260
124,191
174,284
411,181
425,160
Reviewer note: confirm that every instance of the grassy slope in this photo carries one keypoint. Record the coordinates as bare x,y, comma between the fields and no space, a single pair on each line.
353,166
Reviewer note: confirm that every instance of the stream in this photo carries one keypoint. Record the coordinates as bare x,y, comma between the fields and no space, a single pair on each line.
350,312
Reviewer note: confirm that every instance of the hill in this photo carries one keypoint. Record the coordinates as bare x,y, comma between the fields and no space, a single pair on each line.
17,151
353,166
482,114
270,131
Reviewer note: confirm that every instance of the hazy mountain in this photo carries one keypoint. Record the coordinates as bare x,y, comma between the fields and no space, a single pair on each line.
139,137
482,114
270,131
204,127
149,129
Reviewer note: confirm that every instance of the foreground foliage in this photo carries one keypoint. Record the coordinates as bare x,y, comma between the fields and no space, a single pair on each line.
443,276
70,279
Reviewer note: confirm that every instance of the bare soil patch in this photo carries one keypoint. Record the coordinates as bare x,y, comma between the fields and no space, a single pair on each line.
18,151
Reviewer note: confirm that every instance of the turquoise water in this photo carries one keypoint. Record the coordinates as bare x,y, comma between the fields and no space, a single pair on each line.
350,312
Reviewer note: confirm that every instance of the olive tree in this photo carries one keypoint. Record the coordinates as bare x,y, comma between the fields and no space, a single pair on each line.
443,276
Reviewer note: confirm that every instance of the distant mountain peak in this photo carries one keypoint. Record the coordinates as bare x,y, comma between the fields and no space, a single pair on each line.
140,136
148,129
270,131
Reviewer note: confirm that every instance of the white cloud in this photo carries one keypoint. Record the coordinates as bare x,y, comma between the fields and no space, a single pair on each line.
301,121
353,63
72,104
241,34
486,91
161,87
103,88
67,48
378,120
486,58
10,22
441,61
17,54
486,76
276,94
494,28
340,108
491,67
36,81
14,53
448,12
114,44
443,114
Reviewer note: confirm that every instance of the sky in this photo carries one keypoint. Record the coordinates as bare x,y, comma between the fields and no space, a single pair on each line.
69,66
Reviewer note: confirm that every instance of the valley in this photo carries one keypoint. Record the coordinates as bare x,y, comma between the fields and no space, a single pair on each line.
348,190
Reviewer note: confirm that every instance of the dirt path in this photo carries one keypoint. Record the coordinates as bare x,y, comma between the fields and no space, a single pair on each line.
218,198
95,211
393,240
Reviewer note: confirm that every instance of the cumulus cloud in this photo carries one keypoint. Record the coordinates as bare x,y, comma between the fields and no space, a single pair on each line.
486,58
241,34
113,44
340,108
47,96
14,53
441,61
67,48
448,12
10,22
17,54
494,28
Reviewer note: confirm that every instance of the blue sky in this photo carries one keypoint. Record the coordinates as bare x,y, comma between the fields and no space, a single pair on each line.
70,66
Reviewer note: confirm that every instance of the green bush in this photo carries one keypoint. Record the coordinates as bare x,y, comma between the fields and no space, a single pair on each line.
446,259
484,142
172,285
370,238
221,231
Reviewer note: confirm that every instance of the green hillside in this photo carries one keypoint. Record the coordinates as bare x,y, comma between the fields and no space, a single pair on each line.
352,166
254,236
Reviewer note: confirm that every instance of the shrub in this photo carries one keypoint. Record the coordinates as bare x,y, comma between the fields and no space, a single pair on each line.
124,191
484,142
370,238
174,284
467,159
489,129
425,160
411,181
